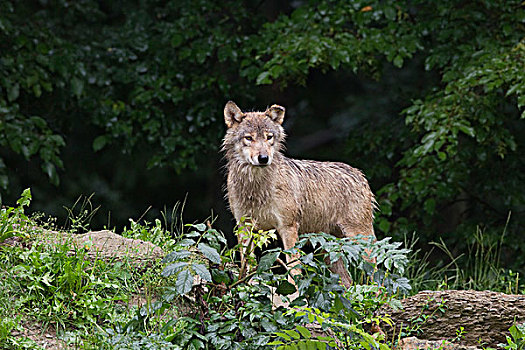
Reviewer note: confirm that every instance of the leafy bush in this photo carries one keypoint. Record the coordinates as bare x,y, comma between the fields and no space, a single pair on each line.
242,310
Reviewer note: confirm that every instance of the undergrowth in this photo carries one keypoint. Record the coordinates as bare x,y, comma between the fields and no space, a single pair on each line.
207,295
478,269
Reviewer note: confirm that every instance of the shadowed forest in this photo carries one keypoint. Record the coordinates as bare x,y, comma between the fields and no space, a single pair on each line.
113,110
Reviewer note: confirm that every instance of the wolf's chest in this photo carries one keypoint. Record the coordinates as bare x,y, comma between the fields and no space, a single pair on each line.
261,204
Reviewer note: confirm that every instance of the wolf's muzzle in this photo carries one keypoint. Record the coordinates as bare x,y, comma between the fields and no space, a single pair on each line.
263,160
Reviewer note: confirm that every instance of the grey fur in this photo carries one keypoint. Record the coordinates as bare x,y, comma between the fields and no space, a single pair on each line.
290,195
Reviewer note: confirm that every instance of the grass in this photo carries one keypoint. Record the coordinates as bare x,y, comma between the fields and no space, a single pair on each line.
478,269
59,287
67,291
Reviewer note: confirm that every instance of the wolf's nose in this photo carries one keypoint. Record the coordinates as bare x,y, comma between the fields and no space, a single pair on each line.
262,159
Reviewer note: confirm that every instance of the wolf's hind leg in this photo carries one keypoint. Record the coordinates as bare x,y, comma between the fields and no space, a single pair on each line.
339,268
349,230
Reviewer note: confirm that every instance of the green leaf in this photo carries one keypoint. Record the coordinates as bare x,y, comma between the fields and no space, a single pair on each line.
283,335
398,61
13,92
173,268
390,13
516,333
268,326
275,342
25,198
202,271
4,182
200,227
176,40
263,78
77,86
384,225
430,205
176,255
267,261
184,282
51,171
220,276
304,332
209,252
292,334
467,130
285,288
39,122
321,345
99,142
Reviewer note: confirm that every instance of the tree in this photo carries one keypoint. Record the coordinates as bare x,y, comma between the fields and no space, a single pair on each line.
155,75
464,131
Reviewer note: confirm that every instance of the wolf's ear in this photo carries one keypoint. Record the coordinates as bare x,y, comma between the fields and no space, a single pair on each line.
276,113
232,114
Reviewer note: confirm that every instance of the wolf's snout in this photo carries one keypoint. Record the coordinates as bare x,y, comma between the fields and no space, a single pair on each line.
263,159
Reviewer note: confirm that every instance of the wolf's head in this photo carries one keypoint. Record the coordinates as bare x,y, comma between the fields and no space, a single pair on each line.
253,137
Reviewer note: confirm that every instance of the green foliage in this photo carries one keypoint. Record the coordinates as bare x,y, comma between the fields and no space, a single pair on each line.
516,341
157,77
236,310
479,268
145,231
350,333
79,219
387,270
65,289
213,305
13,221
57,284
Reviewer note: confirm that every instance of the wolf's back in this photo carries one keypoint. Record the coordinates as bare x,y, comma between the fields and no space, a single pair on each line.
328,192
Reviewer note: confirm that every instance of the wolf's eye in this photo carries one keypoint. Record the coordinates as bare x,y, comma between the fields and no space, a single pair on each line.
248,138
269,137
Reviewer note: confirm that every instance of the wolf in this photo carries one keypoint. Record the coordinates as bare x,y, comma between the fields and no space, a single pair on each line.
290,195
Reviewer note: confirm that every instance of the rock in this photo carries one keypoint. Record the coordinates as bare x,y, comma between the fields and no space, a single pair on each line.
105,245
